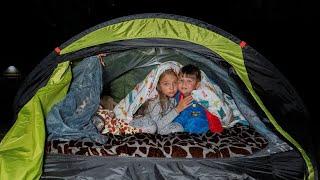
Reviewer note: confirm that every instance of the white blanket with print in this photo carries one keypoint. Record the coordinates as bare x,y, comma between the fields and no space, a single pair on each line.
208,95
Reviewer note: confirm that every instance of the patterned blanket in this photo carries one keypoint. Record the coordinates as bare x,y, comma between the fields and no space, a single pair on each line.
236,141
209,95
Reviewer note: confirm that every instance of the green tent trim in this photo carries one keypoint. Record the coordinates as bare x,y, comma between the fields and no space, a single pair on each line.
22,149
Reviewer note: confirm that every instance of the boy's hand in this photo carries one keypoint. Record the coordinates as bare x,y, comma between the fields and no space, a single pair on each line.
184,103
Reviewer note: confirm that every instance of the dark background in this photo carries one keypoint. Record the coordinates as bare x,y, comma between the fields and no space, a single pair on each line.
283,31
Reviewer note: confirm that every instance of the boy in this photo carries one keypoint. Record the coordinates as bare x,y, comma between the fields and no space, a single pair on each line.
195,118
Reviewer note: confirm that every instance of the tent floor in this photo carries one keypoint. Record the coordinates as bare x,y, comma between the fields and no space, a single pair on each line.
285,165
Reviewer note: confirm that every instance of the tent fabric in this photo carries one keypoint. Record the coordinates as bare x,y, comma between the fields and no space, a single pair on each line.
258,167
37,79
209,39
280,97
180,18
156,25
21,150
263,83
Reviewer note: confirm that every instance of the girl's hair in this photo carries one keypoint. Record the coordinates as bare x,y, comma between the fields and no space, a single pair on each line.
163,98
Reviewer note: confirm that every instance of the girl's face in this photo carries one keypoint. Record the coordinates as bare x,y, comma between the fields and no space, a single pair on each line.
168,85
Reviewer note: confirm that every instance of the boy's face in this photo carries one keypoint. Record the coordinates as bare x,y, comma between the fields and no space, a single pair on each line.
187,84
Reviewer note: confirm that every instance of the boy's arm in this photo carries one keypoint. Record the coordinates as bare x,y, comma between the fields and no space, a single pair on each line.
182,105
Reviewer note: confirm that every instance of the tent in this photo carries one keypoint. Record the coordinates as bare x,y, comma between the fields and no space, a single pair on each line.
130,45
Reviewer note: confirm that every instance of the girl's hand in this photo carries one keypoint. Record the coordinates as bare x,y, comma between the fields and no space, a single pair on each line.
184,103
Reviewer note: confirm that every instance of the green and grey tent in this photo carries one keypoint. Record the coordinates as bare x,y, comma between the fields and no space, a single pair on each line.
131,45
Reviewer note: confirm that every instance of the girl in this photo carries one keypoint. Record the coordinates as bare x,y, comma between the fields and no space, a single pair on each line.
157,114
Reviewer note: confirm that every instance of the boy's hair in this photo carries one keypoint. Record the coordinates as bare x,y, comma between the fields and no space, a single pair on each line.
191,71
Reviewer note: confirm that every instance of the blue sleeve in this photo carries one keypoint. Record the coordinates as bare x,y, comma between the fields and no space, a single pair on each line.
179,120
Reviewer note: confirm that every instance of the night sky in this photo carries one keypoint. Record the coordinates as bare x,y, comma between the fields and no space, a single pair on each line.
282,31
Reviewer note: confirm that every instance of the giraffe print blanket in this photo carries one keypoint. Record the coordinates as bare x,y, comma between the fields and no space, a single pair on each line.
236,141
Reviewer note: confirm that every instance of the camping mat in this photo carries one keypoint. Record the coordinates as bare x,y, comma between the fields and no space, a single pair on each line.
233,142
